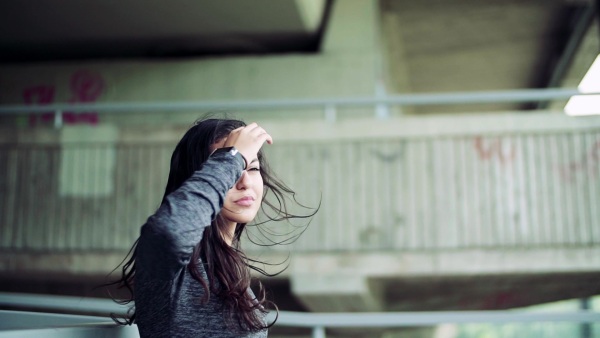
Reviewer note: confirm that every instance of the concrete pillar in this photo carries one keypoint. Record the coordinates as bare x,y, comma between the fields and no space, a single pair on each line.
582,60
352,27
396,74
311,13
82,162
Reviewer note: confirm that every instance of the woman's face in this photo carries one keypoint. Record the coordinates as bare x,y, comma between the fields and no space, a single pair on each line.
245,197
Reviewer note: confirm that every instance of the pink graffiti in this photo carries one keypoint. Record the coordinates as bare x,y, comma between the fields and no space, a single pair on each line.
39,95
85,87
494,149
588,164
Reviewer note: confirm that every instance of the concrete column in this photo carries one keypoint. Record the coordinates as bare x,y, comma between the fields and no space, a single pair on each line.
83,173
582,60
352,27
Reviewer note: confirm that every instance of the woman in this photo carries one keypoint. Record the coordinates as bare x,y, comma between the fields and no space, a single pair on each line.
191,279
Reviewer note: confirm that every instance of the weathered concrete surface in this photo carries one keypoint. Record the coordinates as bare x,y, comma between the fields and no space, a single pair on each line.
367,282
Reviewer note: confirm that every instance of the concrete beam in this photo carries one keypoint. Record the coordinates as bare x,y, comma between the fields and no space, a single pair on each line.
311,13
59,266
335,293
349,272
437,263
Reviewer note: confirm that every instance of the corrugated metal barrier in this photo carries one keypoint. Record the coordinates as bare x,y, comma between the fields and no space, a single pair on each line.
502,191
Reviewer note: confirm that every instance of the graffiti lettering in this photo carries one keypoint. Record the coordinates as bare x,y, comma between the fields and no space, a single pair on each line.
39,95
85,87
588,164
488,150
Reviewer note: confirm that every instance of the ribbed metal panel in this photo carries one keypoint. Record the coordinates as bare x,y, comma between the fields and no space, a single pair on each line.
501,191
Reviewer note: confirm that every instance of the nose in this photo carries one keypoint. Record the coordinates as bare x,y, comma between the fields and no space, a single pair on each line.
244,182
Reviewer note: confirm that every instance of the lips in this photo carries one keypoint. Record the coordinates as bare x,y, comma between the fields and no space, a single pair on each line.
245,201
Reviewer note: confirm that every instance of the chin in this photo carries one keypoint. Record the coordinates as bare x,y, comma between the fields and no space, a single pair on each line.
239,218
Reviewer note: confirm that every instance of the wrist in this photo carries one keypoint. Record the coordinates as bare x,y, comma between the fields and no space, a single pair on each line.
233,151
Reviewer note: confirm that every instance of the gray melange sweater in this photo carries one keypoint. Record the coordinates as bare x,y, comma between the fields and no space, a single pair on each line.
167,298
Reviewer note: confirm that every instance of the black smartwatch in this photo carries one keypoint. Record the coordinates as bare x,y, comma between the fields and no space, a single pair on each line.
235,153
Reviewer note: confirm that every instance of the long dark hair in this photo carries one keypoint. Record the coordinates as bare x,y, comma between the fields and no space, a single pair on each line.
227,267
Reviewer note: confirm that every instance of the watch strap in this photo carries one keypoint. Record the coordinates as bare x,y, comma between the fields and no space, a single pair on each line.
232,151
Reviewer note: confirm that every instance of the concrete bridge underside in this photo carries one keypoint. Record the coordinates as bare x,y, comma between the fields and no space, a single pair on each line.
351,282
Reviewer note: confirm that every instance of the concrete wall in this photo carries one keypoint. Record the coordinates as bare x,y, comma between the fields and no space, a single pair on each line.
410,184
344,67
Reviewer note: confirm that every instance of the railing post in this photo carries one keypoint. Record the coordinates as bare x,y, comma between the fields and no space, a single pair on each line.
586,328
318,332
330,113
382,110
58,119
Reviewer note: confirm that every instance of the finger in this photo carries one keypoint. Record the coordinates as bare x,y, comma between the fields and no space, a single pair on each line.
251,126
265,137
233,135
235,132
258,131
269,139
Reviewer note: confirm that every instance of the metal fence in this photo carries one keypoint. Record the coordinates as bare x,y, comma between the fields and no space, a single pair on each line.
27,324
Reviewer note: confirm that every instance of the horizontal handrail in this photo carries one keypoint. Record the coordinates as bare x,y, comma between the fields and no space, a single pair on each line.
523,95
20,324
329,320
404,319
68,304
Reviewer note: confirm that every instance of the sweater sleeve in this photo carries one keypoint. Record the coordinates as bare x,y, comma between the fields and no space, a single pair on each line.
170,235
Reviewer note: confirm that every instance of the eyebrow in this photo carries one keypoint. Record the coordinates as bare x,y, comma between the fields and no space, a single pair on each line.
254,160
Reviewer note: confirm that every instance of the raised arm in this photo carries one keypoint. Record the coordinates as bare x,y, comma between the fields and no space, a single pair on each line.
170,235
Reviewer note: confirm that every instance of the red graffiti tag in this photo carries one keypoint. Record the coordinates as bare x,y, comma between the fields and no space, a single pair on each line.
588,164
39,95
85,87
494,149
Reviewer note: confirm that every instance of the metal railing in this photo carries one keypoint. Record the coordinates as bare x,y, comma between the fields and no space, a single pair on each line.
317,322
513,96
329,105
